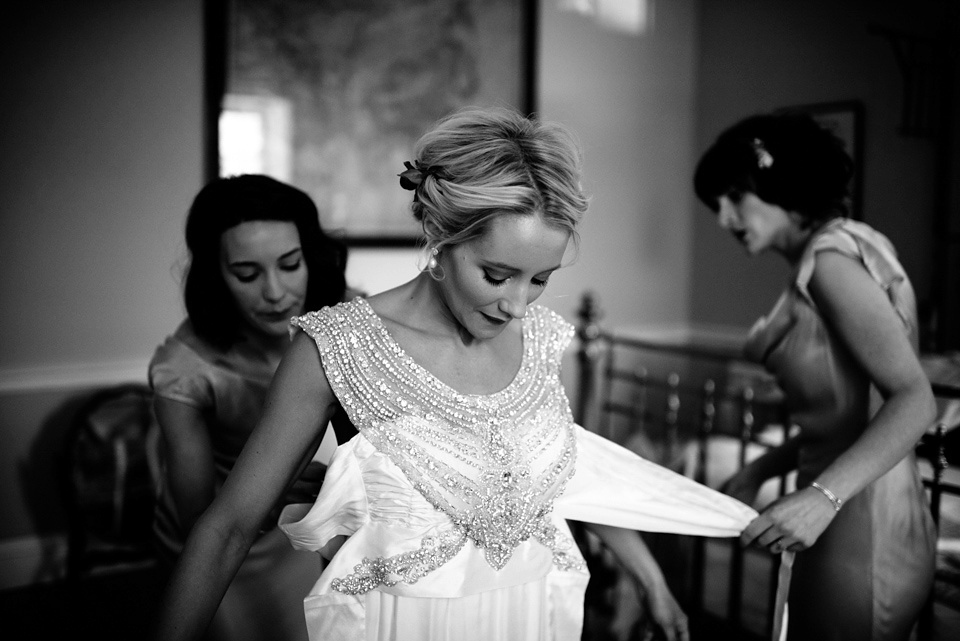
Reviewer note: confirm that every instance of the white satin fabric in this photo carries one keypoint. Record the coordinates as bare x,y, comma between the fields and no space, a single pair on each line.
367,499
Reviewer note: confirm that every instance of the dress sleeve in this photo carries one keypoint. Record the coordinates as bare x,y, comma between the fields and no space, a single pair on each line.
341,335
613,486
834,239
340,508
878,256
178,374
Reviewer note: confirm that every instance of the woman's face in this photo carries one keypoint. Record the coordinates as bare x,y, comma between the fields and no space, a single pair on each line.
757,224
489,281
263,266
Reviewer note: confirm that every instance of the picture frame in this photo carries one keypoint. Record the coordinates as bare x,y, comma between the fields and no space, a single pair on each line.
846,119
331,97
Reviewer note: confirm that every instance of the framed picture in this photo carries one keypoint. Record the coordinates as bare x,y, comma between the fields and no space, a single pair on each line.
330,96
846,120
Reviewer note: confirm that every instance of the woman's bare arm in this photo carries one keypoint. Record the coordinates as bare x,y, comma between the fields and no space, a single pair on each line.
858,310
633,553
298,406
190,472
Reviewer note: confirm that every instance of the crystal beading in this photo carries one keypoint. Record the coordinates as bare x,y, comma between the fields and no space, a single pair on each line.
492,463
408,567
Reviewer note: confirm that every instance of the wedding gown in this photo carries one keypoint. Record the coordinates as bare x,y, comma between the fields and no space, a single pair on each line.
445,517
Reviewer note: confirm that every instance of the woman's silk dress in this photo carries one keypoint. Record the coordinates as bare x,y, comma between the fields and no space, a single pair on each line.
445,517
265,599
867,576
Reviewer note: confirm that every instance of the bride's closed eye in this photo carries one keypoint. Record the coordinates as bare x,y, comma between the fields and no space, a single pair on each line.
498,282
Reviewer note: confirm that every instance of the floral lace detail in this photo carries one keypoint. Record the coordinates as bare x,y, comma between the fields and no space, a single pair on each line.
561,544
409,567
492,463
434,551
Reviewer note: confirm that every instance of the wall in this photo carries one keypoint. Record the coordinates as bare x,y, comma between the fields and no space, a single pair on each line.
102,112
100,127
757,56
631,101
106,123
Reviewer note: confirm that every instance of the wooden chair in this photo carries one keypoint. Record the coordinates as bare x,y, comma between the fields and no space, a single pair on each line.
110,473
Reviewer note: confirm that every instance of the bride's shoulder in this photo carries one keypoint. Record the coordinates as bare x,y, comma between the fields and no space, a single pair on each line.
547,317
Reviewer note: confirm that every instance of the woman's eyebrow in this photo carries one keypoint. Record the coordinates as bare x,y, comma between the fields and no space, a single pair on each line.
511,268
253,263
290,253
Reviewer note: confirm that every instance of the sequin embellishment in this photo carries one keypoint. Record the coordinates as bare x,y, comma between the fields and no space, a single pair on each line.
409,567
492,463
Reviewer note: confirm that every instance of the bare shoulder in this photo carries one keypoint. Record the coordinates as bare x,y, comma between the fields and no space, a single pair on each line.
393,305
858,309
408,314
301,369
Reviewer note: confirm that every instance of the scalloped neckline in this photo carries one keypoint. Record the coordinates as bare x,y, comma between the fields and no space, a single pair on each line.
525,340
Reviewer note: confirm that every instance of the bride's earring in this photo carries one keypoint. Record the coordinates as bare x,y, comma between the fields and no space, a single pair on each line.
432,263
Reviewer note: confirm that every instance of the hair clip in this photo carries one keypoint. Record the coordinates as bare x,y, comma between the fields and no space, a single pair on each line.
764,158
412,177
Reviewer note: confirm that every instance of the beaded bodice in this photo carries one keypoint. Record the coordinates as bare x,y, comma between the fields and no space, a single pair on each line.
492,463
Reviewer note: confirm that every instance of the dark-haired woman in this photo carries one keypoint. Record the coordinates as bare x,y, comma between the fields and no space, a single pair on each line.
842,343
257,258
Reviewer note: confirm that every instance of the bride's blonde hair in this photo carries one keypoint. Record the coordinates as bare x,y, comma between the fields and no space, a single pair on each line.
477,164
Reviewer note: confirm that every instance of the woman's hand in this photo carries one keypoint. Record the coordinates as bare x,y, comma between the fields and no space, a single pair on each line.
793,522
631,550
667,614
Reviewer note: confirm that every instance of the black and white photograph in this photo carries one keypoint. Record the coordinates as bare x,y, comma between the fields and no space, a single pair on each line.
480,320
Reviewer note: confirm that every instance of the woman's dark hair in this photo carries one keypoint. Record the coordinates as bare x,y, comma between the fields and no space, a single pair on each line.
785,159
226,202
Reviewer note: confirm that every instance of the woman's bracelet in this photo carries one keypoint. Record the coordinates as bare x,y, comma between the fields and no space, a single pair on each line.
837,503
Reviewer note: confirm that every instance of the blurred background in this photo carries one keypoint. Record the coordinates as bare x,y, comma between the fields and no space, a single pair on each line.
105,126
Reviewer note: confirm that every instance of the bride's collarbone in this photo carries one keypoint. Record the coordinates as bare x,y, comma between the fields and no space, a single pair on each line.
475,369
479,375
469,367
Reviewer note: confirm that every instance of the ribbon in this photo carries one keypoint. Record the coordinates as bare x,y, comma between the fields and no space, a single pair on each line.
781,613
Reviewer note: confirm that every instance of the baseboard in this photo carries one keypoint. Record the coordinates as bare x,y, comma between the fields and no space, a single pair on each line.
28,560
72,375
724,338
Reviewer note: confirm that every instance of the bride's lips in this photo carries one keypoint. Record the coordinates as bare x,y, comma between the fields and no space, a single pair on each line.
494,320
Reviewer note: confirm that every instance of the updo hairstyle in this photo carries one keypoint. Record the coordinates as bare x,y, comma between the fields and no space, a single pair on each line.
785,159
479,164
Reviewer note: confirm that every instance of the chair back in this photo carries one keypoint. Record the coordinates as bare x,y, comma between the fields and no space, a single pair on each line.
110,476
